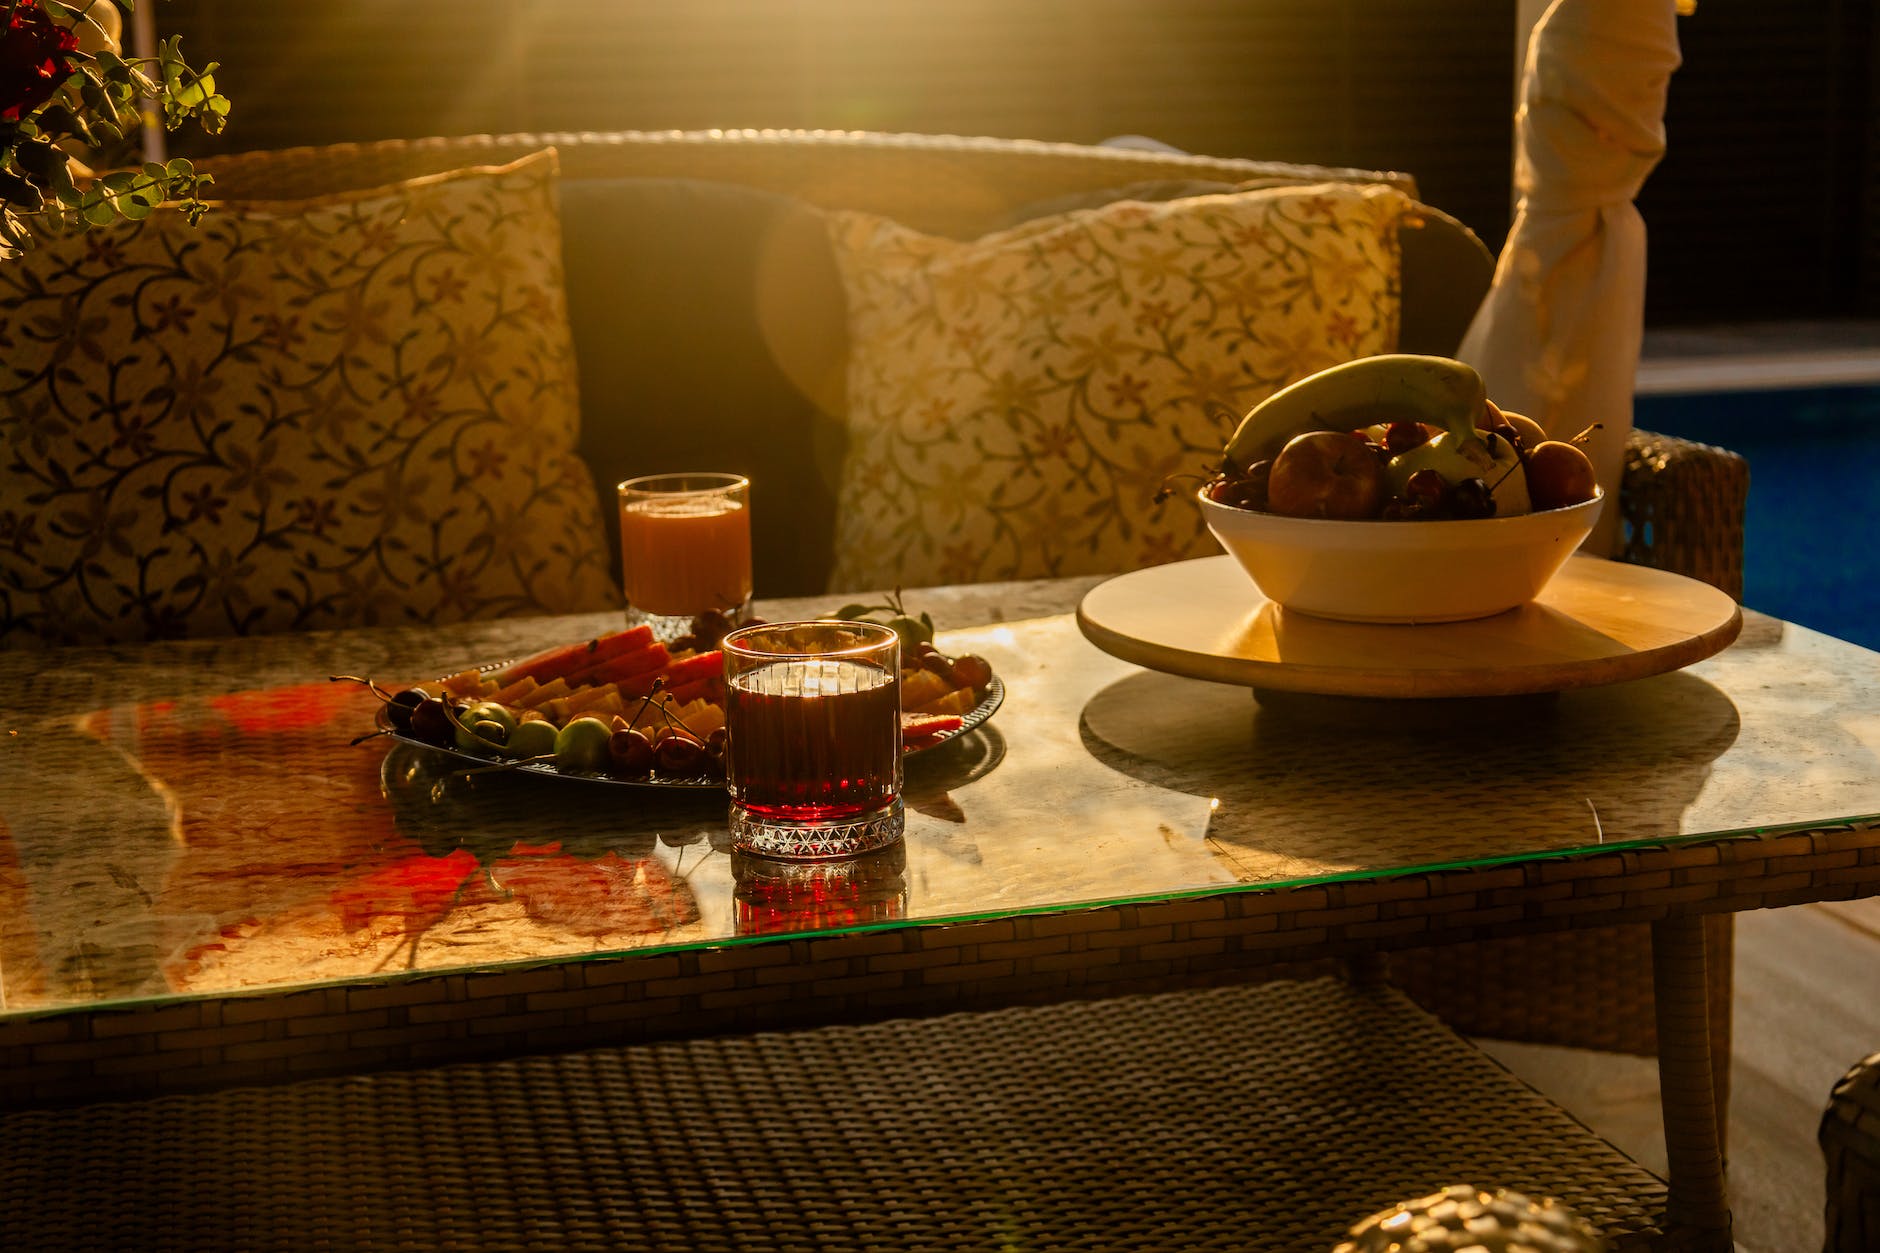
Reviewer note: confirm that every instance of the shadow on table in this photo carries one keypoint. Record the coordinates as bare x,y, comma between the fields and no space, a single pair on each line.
1304,785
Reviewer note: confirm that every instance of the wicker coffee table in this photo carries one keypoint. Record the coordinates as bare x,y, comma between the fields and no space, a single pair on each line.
207,885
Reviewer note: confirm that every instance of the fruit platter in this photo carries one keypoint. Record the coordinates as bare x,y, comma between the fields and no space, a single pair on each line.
1393,489
625,708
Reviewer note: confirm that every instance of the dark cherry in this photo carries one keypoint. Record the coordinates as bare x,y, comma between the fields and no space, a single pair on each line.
630,753
972,670
1247,491
680,754
1472,498
398,708
1401,437
711,627
431,722
1426,487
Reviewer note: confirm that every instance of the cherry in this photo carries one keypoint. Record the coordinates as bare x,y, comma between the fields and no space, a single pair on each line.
678,753
1472,498
1401,437
631,753
972,671
1426,487
1246,492
398,708
432,723
711,627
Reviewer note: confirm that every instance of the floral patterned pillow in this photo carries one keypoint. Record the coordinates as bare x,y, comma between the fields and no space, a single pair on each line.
356,410
1016,401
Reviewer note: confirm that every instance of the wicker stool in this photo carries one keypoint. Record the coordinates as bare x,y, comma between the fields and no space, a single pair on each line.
1850,1141
1462,1217
1248,1118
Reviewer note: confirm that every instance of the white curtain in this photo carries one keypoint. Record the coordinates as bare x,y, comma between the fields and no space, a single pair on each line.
1558,336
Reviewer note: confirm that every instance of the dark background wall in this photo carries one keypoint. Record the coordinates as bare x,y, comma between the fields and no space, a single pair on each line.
1767,205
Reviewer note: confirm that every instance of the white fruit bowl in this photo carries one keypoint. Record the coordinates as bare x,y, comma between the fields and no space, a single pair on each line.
1401,571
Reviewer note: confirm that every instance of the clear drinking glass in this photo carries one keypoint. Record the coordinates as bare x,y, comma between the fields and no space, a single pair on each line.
685,548
813,738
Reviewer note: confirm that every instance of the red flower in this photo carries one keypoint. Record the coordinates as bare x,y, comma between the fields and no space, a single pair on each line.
35,57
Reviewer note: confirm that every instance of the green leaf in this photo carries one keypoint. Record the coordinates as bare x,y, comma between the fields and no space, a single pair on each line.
118,181
18,192
13,232
58,12
39,160
99,214
135,208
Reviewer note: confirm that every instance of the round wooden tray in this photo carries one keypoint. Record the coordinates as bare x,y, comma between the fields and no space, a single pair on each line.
1596,622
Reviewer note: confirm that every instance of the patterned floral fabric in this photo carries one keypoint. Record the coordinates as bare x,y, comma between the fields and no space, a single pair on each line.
1015,402
341,412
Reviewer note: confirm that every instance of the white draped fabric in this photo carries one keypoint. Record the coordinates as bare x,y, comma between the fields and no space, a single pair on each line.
1558,336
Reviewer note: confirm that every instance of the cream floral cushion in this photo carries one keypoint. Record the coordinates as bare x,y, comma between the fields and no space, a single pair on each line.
356,410
1016,401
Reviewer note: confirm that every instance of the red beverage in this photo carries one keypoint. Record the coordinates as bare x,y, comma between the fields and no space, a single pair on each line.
813,739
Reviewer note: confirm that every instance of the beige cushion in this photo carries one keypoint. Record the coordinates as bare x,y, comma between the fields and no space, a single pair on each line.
1015,401
355,410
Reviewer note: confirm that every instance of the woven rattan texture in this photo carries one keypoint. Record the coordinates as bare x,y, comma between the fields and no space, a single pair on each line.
1684,505
1587,989
946,184
1267,1117
1850,1143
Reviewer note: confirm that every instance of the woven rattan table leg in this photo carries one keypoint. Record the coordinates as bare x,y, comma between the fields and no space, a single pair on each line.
1698,1208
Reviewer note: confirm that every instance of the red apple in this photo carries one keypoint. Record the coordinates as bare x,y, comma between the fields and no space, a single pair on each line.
1326,474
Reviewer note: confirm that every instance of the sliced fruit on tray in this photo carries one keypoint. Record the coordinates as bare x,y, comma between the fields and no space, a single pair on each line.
622,705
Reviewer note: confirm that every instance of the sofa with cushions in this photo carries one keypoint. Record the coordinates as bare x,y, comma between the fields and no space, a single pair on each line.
374,384
395,382
349,396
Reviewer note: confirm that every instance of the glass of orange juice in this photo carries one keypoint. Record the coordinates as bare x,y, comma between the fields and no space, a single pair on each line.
685,548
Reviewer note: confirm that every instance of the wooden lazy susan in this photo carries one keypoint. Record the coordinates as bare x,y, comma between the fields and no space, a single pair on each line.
1595,622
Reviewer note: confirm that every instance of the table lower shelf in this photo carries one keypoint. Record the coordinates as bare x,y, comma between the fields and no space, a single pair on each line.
1269,1116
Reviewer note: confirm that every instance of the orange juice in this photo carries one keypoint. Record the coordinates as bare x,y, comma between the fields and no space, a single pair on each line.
684,553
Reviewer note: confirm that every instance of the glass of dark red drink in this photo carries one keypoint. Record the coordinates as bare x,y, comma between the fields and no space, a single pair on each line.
813,738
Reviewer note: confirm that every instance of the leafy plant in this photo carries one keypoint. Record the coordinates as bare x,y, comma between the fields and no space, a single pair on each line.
65,86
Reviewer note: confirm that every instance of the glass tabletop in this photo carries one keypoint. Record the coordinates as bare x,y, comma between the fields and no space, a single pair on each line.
203,820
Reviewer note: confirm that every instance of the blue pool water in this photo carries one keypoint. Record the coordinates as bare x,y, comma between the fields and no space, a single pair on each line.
1812,546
